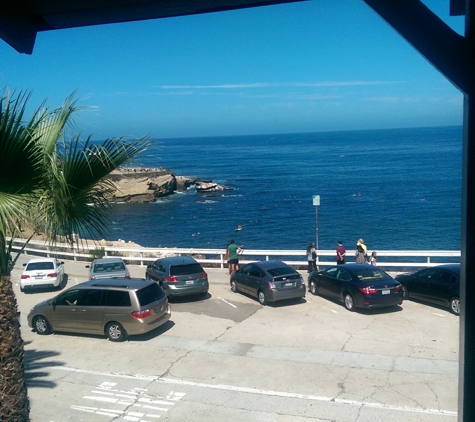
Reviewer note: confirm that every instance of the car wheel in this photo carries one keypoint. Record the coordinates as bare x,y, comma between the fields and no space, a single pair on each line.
405,293
313,287
234,286
455,305
115,332
41,325
349,304
262,297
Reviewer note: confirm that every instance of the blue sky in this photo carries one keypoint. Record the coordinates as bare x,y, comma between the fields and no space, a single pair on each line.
303,67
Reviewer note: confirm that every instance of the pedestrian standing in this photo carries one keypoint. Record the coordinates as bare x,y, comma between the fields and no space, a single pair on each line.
361,252
373,258
311,257
340,253
234,250
226,257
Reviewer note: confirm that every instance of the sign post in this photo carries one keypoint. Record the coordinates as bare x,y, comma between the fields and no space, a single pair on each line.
316,203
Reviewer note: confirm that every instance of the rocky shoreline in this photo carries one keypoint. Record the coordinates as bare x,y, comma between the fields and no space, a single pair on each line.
148,184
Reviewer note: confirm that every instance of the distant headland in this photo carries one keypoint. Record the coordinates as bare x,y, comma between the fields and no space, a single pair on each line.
149,184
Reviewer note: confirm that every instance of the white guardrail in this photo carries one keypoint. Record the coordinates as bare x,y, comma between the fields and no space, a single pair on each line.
143,256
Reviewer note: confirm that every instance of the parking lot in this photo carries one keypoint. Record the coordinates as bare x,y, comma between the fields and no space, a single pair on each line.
225,357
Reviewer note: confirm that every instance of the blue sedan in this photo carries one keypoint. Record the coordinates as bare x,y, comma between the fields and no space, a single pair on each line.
357,286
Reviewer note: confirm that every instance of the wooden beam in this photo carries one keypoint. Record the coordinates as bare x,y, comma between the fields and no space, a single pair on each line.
16,30
457,7
446,50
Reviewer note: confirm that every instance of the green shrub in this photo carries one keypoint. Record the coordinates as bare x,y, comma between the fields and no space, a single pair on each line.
97,253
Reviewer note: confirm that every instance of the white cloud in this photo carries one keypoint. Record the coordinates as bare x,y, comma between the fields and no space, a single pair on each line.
277,85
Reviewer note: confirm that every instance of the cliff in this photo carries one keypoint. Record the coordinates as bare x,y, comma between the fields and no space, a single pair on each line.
146,185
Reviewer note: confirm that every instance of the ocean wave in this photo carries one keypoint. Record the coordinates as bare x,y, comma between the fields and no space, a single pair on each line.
206,201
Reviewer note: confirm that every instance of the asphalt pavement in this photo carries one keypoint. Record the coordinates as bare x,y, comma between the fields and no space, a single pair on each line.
227,358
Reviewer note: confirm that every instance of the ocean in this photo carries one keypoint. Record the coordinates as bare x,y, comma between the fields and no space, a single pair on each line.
397,189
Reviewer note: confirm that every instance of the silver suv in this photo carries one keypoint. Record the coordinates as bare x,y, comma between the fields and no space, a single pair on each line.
179,276
108,268
115,308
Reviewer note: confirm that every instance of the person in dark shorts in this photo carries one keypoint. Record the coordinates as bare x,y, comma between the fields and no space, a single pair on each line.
234,250
226,257
311,257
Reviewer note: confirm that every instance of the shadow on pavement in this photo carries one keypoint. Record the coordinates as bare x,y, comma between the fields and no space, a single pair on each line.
190,298
36,369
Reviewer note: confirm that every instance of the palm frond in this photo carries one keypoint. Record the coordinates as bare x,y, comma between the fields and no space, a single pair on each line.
51,125
78,197
21,167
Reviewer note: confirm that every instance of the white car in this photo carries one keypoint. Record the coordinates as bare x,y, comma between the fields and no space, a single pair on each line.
42,273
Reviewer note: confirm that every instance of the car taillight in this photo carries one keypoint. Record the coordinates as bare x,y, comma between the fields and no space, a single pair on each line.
52,275
23,276
271,285
171,279
204,275
368,290
165,305
397,288
141,314
127,276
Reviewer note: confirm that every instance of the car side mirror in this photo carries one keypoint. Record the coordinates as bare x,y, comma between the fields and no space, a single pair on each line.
24,264
88,266
53,303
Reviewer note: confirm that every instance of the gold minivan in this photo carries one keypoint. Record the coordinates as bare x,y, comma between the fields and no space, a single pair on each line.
115,308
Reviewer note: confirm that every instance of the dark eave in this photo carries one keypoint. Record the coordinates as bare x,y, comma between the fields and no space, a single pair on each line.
21,20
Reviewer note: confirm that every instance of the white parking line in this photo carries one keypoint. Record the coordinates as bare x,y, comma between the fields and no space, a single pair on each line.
230,304
443,316
331,310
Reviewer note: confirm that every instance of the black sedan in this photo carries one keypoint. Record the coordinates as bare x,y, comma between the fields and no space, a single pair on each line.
357,286
269,281
439,285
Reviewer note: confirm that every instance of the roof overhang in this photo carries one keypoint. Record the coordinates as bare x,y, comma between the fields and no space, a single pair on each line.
21,20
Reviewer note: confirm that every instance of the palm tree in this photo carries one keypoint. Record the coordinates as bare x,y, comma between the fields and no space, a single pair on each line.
53,183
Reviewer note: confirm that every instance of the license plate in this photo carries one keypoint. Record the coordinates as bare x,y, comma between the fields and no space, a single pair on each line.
386,292
190,282
288,284
39,277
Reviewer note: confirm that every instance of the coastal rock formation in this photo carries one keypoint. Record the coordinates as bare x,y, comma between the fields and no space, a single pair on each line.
210,186
146,185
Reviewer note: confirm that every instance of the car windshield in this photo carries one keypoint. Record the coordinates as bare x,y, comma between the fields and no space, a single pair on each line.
108,267
275,272
371,274
34,266
149,294
186,269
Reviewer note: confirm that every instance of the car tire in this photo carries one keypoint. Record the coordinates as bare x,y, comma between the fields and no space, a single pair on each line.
58,287
115,332
261,296
234,286
349,303
41,325
455,305
313,287
405,292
